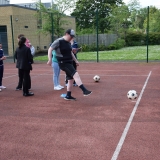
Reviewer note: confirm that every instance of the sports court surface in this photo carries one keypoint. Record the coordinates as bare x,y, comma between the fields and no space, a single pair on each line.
103,126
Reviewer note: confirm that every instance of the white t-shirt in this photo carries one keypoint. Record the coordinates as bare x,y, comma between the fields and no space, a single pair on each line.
32,50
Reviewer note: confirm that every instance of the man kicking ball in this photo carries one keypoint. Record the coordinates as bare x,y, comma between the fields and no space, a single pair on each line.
65,59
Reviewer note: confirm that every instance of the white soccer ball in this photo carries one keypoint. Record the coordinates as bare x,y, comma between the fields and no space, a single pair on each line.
96,78
132,94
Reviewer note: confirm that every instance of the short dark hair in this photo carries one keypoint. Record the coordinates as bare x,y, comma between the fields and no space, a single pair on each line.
20,35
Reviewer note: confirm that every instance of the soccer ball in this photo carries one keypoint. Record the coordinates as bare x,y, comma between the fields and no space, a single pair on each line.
96,78
132,94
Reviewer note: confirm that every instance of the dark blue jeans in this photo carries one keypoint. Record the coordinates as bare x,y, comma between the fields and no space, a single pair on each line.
1,74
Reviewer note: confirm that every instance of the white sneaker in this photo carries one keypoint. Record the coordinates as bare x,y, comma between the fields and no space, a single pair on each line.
2,87
60,86
0,90
57,88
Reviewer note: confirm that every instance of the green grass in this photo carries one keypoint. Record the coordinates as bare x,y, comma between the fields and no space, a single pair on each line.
137,53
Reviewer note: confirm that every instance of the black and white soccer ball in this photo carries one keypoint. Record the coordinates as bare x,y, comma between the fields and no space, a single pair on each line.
96,78
132,95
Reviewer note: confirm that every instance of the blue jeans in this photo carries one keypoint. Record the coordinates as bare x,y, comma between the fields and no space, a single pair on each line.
1,74
56,71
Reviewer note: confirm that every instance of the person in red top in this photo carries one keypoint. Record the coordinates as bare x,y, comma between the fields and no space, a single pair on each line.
27,43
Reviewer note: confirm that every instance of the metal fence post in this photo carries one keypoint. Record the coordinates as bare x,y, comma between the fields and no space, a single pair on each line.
12,37
97,35
52,27
147,31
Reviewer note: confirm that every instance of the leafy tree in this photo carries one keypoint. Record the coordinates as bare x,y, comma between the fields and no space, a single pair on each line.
140,18
134,7
86,13
154,19
120,20
54,17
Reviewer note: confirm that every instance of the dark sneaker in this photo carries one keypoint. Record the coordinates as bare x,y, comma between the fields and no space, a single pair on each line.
70,98
17,88
28,94
87,93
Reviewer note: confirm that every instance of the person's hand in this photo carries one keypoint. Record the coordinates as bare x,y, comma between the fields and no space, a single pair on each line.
3,58
80,48
74,50
77,63
49,62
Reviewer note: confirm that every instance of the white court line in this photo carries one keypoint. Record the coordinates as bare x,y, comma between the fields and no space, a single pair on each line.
94,74
121,141
33,76
10,76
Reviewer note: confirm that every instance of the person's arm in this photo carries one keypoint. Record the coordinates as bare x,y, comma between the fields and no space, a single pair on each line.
30,57
15,55
3,57
53,46
74,58
50,56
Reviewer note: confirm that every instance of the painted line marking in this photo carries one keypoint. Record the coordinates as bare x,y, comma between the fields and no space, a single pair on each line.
94,74
10,76
121,141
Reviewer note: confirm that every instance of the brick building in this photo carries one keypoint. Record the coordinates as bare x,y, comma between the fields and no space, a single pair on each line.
15,20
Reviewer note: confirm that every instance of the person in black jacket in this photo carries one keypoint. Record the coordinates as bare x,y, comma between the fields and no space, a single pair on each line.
24,64
20,82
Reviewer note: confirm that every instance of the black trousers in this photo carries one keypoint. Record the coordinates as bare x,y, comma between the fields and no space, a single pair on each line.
25,75
75,67
20,74
1,74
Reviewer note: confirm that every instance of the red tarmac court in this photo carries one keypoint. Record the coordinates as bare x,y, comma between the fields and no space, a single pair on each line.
103,126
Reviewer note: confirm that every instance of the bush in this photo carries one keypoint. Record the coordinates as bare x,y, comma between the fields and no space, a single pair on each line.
134,38
120,43
154,38
112,47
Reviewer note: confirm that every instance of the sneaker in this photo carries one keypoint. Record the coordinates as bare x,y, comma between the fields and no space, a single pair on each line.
66,84
2,87
57,88
60,86
17,88
70,98
74,84
0,90
87,93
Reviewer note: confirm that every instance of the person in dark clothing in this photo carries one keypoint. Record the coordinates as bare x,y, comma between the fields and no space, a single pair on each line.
2,57
75,50
24,64
65,59
20,74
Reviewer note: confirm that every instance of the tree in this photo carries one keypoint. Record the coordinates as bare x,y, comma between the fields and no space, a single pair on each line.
120,19
86,12
154,19
53,17
134,7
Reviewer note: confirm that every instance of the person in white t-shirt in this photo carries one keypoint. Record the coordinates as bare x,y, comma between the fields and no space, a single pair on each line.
32,49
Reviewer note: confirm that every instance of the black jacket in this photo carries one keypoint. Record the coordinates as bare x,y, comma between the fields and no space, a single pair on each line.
24,58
